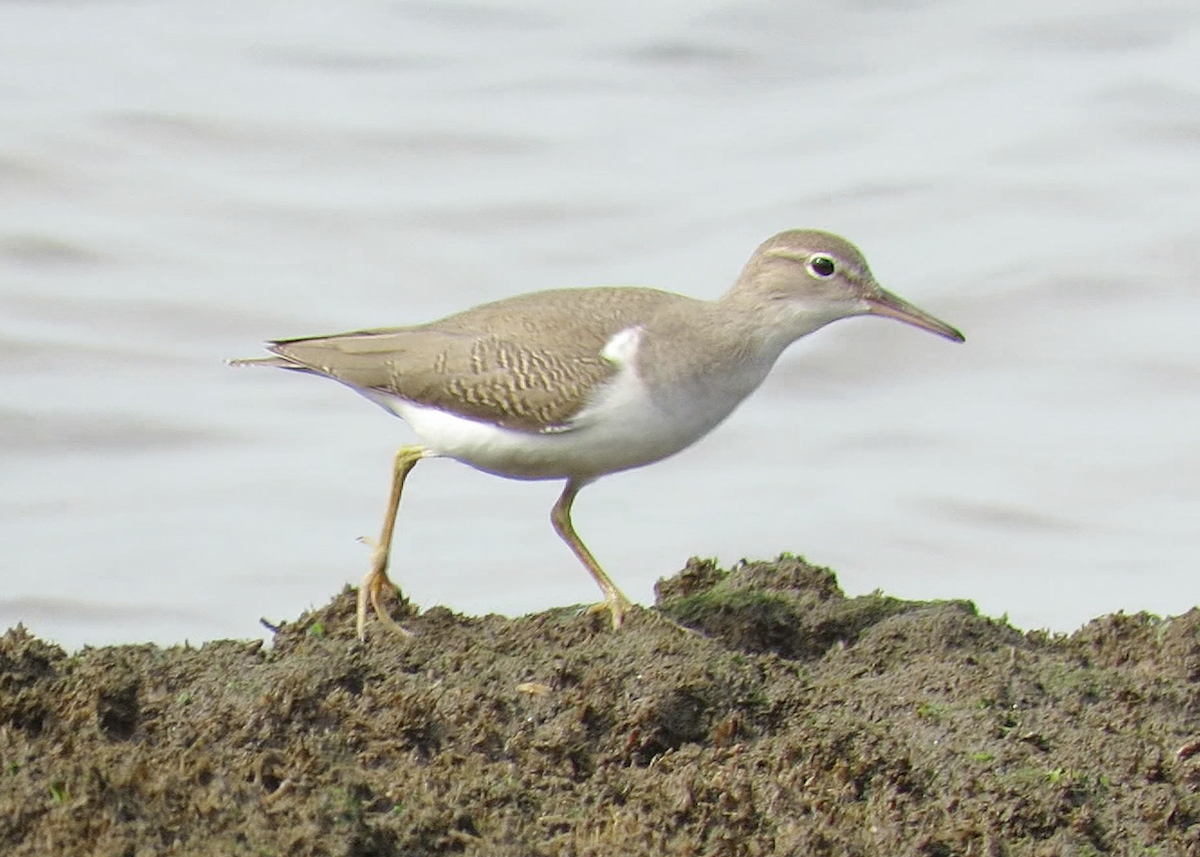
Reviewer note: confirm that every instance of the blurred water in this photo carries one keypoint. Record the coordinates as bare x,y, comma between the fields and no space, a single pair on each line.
178,183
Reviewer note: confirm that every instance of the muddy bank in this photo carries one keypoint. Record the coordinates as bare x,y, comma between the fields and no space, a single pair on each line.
754,711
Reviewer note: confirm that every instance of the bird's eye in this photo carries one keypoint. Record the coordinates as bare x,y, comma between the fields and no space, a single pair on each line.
821,266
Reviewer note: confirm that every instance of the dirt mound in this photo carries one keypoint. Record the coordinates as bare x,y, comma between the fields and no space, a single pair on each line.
755,711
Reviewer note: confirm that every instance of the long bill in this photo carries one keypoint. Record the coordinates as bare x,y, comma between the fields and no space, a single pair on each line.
892,306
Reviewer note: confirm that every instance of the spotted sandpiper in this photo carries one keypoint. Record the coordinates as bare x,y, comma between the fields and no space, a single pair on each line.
575,384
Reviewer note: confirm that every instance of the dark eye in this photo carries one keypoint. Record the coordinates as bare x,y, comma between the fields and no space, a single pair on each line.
821,266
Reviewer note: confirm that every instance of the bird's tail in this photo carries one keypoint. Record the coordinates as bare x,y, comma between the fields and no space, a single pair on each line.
280,362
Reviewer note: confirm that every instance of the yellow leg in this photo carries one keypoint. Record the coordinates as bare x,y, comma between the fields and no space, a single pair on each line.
377,579
614,600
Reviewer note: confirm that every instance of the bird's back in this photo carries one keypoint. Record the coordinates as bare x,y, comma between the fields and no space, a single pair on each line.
529,362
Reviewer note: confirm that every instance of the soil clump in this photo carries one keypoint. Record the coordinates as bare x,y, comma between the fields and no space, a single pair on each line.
753,711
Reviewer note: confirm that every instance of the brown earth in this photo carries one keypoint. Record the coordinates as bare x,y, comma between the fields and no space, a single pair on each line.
791,720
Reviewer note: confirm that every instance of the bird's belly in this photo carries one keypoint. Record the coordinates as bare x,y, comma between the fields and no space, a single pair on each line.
585,452
618,436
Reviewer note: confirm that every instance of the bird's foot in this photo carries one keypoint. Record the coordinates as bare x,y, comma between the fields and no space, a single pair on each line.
616,604
372,588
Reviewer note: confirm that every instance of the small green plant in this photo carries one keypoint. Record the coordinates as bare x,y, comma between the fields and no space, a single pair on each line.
58,791
930,710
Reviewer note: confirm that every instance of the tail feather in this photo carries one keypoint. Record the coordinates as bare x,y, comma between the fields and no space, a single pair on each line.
279,362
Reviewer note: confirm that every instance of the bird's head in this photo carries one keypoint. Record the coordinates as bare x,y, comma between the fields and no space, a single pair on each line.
806,279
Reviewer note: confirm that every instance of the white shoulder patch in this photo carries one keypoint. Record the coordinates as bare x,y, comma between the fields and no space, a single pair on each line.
622,348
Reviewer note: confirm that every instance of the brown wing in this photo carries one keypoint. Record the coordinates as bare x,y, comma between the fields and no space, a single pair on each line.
530,362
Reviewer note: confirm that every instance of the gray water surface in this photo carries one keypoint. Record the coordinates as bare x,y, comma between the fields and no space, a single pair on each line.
179,182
